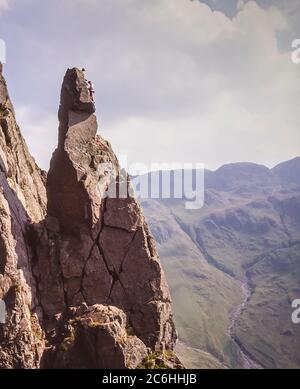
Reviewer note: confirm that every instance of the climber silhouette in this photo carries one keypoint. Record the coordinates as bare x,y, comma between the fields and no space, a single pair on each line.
91,90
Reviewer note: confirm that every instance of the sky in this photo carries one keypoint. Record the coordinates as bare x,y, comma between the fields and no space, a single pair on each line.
177,81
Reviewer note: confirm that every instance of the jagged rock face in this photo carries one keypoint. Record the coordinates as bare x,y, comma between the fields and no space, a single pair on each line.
102,250
22,201
75,257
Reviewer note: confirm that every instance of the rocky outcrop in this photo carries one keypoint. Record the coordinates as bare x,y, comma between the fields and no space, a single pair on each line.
22,201
98,337
81,273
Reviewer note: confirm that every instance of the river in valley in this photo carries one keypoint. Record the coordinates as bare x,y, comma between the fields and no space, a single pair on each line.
246,360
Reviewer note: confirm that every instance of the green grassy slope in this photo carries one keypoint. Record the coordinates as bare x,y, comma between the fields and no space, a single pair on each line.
265,328
202,295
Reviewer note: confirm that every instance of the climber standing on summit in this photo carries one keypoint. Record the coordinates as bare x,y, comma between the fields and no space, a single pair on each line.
91,90
89,85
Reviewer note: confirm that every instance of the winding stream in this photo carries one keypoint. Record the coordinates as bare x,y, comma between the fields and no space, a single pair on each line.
247,361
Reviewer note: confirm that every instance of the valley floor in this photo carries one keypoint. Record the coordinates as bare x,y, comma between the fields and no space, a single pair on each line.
193,357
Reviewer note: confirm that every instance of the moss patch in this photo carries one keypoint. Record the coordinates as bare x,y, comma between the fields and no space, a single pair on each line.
156,360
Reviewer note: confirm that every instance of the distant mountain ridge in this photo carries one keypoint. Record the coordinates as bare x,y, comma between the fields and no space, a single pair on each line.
235,174
248,230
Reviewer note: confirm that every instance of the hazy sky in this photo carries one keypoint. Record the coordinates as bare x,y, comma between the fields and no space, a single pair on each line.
176,80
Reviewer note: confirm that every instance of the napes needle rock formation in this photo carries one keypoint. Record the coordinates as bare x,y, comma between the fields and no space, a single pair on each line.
79,271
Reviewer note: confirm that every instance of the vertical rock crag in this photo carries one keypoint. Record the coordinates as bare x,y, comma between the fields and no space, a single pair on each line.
22,202
98,296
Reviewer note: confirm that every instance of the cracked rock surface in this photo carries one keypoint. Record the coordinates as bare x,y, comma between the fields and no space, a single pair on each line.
79,271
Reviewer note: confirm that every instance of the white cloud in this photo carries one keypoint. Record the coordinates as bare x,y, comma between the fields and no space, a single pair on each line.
173,78
40,133
4,5
240,4
239,92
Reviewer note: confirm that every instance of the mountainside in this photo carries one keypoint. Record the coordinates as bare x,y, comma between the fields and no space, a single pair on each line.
233,266
22,201
79,272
